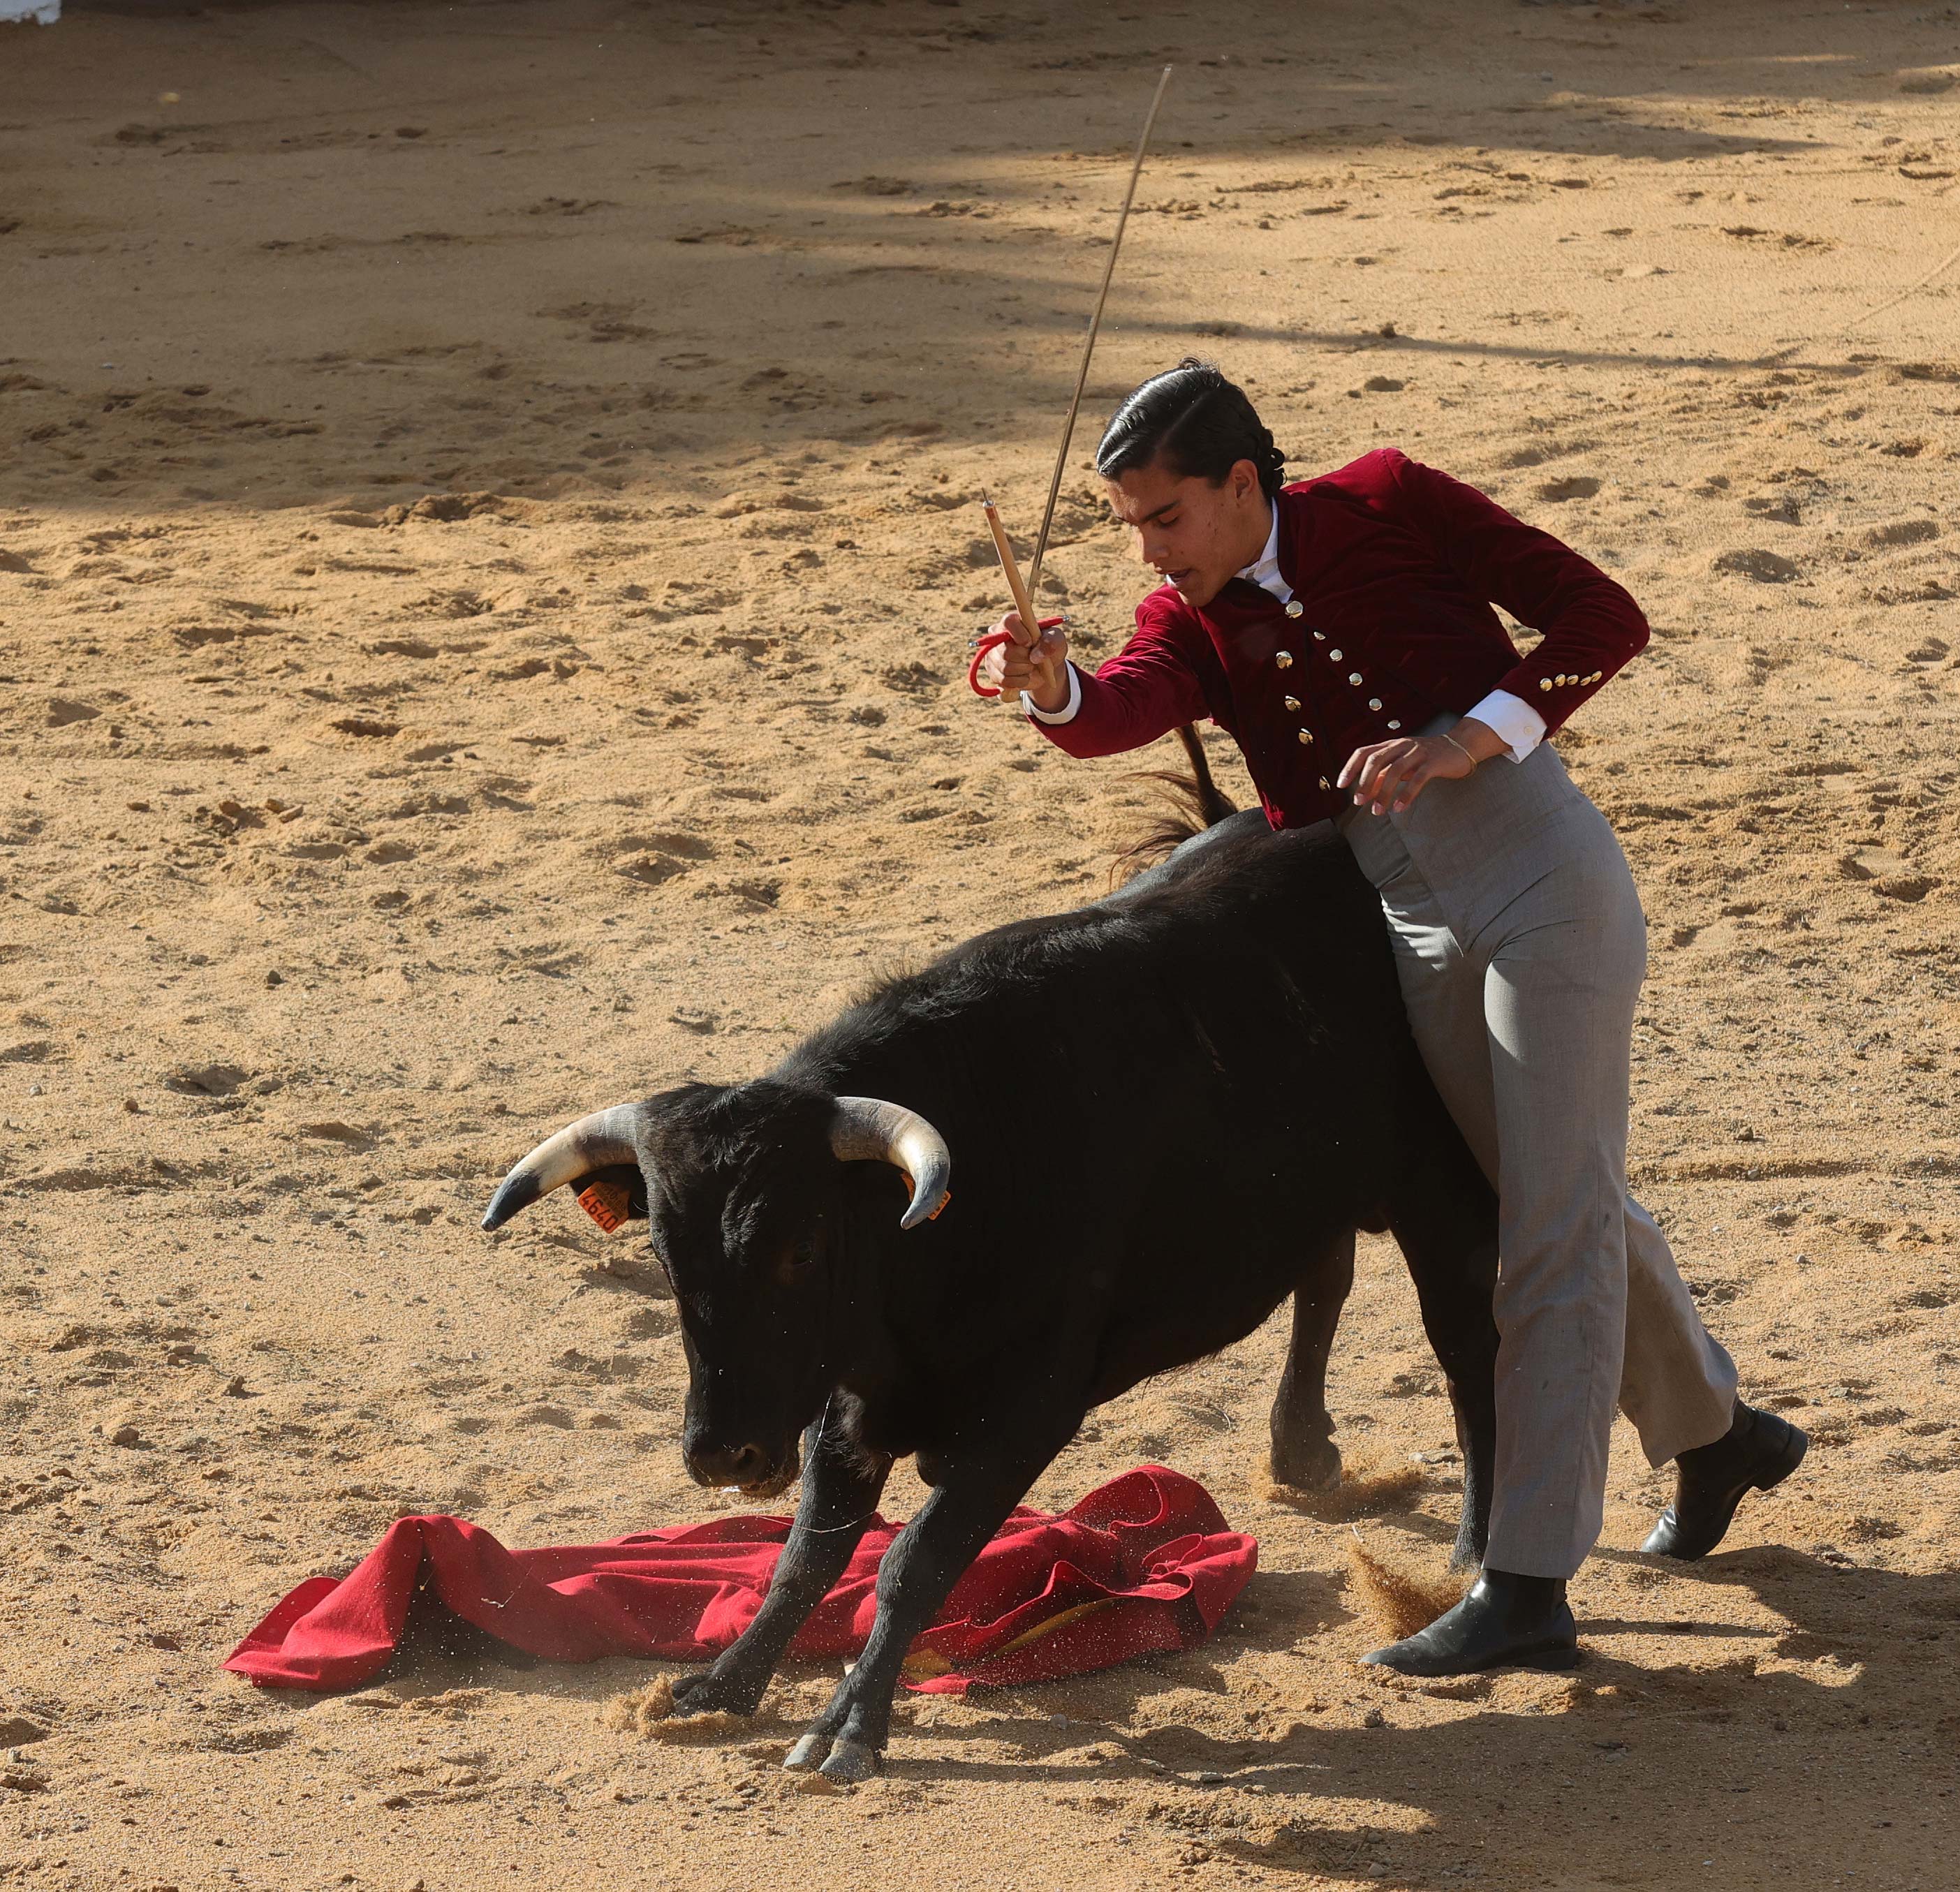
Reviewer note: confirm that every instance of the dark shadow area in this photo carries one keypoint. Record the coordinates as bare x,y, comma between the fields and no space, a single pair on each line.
435,1638
640,292
1645,1768
1585,104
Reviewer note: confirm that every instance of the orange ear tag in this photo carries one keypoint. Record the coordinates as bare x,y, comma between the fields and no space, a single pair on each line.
606,1203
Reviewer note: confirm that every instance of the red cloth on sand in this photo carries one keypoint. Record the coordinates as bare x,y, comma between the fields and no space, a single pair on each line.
1142,1563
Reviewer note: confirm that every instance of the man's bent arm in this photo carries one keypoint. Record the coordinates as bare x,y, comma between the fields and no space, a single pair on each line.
1591,626
1147,689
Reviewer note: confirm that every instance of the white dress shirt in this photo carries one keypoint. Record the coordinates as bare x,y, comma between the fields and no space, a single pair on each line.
1518,725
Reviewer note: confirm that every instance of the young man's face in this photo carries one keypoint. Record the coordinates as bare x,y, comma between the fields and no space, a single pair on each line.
1188,530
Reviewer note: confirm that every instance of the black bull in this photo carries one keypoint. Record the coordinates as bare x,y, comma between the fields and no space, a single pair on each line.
1173,1108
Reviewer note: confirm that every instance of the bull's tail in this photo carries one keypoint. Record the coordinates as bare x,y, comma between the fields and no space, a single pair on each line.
1198,803
1210,802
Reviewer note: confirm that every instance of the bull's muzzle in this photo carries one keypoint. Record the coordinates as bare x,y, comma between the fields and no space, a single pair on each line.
753,1469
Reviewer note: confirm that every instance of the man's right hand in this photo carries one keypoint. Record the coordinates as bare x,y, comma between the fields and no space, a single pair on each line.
1040,669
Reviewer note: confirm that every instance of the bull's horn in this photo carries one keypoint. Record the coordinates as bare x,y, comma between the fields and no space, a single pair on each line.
866,1129
593,1141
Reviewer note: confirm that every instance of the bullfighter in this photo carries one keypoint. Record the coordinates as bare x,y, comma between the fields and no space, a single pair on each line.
1341,629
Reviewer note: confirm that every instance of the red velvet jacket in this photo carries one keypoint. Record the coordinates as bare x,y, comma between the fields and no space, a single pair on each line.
1394,567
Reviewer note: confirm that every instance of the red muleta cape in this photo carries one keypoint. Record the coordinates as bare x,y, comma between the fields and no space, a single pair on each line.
1146,1563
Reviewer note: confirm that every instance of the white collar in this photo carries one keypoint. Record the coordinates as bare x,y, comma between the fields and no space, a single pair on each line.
1264,571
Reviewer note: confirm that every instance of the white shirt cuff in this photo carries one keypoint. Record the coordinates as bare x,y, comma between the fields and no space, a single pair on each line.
1520,725
1066,713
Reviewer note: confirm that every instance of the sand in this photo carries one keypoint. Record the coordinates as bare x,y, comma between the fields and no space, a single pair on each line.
487,554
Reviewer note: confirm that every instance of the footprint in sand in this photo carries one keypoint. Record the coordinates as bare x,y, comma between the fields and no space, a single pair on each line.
1903,531
455,603
569,206
1766,568
206,1080
651,870
335,1132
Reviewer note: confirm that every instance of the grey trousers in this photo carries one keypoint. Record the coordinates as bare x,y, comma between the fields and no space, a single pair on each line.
1521,947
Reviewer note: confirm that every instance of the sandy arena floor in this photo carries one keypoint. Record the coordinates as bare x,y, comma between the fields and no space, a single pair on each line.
487,554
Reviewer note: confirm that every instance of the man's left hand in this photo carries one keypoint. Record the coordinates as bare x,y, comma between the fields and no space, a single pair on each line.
1386,777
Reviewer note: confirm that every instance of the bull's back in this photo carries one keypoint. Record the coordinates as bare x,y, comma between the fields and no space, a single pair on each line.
1238,993
1216,1049
1290,1137
1255,968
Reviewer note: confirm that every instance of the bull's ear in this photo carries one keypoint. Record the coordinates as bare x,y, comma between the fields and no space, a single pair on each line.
603,1140
867,1129
613,1197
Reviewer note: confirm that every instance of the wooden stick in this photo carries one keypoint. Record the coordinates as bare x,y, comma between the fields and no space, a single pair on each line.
1024,593
1023,606
1089,342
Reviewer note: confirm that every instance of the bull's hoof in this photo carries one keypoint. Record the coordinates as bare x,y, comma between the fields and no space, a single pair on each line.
1313,1465
843,1762
709,1694
807,1754
850,1762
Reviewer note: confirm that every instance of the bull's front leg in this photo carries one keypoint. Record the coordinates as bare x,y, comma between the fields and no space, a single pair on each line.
927,1558
841,1482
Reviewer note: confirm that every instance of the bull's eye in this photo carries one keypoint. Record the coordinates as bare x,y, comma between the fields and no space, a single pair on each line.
797,1259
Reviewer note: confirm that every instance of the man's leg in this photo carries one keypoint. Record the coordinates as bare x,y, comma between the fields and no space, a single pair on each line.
1523,1052
1510,1615
1559,1000
1678,1384
1679,1390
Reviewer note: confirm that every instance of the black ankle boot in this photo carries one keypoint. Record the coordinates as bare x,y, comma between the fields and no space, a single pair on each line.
1759,1450
1505,1622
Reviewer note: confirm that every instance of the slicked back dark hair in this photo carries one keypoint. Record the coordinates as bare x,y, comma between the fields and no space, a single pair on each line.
1199,424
